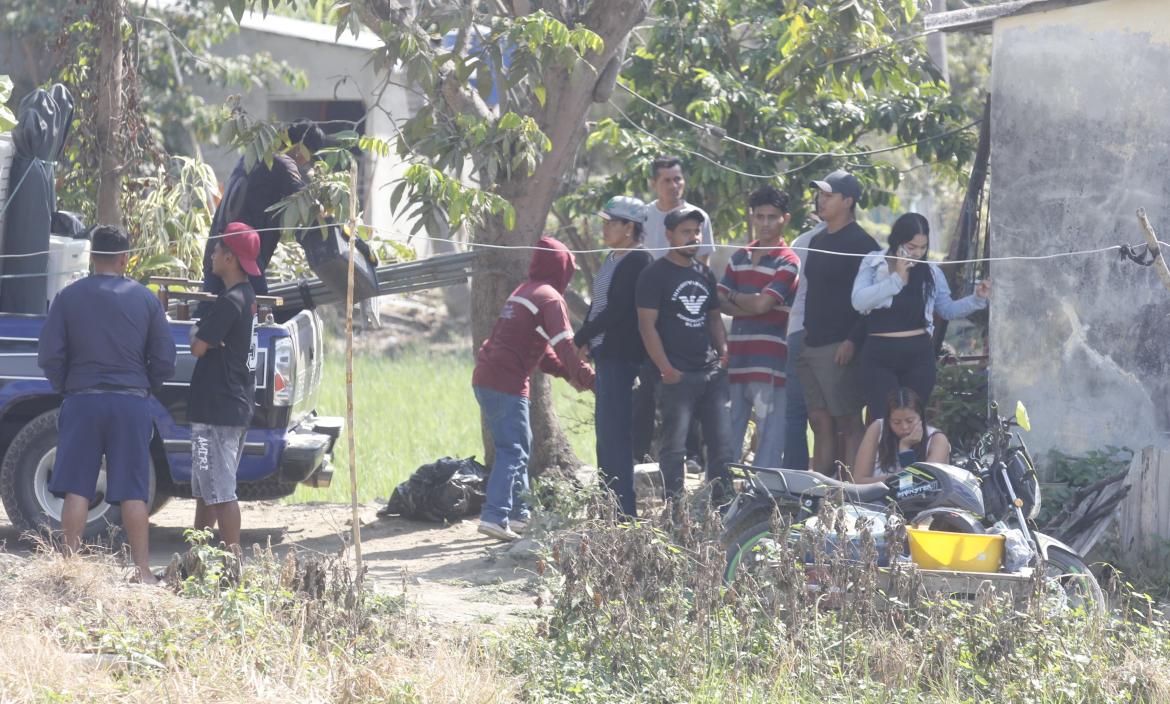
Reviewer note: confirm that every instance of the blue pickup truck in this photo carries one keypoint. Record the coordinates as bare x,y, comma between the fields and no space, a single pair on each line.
288,443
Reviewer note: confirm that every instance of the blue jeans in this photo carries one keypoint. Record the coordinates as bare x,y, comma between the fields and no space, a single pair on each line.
795,410
702,395
613,421
507,419
766,403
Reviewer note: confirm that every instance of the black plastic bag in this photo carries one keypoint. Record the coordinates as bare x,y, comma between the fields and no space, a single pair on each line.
68,224
445,490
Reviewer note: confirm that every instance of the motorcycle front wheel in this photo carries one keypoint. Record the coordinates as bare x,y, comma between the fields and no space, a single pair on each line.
1078,586
751,551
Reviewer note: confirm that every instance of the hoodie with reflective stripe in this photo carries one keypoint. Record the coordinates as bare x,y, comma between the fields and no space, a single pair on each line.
533,328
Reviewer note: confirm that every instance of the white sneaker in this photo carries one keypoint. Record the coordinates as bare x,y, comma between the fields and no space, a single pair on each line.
517,525
497,531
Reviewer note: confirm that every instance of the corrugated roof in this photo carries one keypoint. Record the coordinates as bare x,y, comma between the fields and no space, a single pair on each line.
309,31
980,19
288,27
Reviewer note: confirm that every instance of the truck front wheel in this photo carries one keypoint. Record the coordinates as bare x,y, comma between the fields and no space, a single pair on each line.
24,484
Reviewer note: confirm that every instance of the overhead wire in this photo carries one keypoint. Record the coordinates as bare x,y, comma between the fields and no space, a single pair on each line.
720,133
700,155
601,250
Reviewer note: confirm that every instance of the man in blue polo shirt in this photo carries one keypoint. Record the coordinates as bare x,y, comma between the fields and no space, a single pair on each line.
105,346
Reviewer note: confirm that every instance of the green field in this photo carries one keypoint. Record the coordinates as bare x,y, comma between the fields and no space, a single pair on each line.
413,409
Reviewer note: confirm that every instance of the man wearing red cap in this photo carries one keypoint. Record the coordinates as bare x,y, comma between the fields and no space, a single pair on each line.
223,384
532,331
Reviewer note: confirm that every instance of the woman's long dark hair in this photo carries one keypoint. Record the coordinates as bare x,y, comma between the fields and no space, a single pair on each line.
903,398
906,228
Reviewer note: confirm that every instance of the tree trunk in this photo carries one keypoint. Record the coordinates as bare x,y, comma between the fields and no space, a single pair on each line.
569,95
109,112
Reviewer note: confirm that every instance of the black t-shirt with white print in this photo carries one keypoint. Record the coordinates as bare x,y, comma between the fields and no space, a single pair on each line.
682,295
223,385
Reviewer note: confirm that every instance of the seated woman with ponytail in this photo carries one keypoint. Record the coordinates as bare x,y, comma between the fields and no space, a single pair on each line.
898,438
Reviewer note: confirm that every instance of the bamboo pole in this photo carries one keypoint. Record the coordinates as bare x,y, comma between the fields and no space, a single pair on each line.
349,414
1155,248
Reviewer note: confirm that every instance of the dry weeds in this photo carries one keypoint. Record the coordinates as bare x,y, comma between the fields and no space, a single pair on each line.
76,631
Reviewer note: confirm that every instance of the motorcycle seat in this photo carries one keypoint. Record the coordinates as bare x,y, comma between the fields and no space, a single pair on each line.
807,483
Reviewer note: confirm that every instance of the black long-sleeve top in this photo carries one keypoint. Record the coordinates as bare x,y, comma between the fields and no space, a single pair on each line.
619,320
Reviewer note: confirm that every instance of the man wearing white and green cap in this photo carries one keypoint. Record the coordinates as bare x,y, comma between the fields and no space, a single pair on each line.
611,334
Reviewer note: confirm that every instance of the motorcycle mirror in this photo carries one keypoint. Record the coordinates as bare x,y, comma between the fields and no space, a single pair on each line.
1022,419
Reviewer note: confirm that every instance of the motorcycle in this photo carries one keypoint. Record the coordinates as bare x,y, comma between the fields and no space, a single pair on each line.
994,489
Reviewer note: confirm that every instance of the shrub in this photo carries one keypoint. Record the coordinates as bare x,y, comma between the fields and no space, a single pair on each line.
1065,474
958,406
640,614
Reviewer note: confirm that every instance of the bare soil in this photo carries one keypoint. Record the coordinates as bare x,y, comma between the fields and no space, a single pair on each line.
450,573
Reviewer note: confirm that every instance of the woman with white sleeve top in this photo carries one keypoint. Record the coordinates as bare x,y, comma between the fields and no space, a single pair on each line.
899,291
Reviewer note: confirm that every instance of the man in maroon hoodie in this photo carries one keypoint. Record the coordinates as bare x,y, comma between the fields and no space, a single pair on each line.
532,330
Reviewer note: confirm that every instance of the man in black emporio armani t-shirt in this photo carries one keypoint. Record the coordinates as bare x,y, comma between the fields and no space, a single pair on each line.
678,317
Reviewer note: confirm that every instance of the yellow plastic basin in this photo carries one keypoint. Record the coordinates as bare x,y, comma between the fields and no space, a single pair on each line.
961,552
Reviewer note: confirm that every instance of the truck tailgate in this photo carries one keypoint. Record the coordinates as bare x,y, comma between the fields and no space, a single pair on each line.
306,330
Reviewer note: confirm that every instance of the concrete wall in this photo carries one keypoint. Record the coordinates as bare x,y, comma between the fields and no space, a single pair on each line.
1080,141
335,71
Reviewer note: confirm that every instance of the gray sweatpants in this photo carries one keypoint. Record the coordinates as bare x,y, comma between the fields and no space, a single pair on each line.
215,458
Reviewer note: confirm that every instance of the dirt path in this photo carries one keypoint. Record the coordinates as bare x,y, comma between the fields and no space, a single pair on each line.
450,573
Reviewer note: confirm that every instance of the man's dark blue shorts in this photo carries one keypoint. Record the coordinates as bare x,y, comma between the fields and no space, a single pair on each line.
92,425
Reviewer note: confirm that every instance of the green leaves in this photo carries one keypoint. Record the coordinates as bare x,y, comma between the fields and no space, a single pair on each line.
835,79
350,139
438,202
169,217
451,141
238,7
325,197
346,19
7,119
258,141
159,264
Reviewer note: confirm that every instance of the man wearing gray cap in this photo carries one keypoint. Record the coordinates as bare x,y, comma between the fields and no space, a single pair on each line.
832,327
610,336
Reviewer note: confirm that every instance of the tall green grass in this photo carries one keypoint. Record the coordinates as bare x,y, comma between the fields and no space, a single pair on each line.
412,409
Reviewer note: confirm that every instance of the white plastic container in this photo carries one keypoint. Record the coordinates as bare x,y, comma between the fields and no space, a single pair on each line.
68,261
